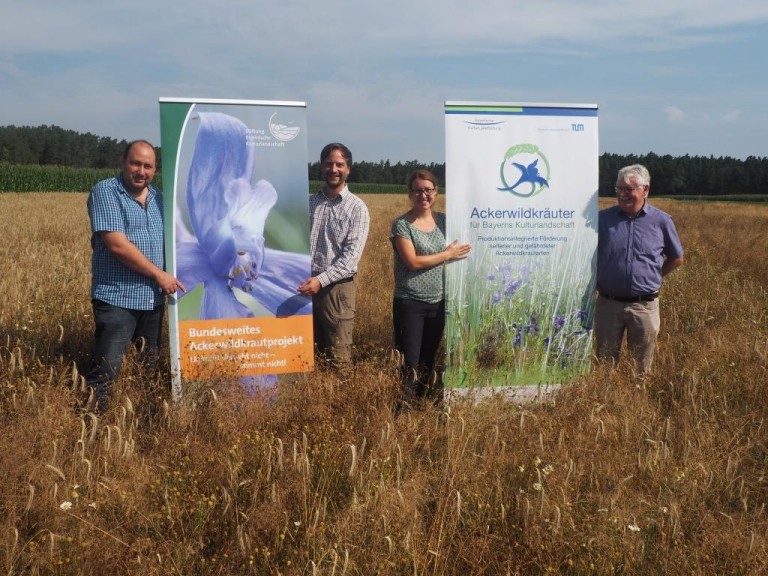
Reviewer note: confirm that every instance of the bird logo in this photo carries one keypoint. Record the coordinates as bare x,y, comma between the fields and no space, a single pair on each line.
522,162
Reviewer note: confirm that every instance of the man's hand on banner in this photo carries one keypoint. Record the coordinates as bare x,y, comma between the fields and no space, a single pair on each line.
309,287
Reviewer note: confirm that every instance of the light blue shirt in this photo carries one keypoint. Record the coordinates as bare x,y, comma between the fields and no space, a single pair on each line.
631,251
112,209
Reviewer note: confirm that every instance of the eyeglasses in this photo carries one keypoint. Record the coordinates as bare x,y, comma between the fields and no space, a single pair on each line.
425,191
626,189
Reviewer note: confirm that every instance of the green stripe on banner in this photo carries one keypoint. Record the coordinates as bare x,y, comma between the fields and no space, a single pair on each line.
484,109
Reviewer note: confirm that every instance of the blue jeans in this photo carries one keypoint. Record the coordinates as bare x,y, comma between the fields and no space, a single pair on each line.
116,329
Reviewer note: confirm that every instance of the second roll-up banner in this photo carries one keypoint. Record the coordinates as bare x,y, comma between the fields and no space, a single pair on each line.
521,187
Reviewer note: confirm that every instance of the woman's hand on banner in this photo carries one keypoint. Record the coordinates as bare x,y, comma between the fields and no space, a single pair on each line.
457,251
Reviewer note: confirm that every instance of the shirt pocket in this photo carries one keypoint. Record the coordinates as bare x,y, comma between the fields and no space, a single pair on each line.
136,221
650,245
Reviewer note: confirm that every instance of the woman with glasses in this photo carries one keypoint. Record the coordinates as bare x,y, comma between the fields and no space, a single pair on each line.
418,310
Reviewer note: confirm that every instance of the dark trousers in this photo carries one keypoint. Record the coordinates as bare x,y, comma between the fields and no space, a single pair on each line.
418,331
116,329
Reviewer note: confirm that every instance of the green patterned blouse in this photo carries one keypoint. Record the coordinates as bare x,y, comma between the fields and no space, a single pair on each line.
424,285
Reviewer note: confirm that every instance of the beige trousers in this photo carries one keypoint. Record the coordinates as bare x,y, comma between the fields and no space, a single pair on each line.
640,321
333,309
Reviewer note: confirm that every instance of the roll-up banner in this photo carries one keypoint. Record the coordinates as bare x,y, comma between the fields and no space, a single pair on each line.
522,185
236,203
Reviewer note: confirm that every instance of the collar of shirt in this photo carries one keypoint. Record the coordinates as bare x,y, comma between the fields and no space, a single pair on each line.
641,212
151,190
339,198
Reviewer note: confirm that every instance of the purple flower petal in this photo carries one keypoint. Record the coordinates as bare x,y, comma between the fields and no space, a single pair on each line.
276,290
220,302
249,208
253,385
192,265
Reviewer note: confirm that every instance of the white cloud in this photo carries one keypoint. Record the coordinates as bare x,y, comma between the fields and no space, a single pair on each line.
374,73
674,114
398,27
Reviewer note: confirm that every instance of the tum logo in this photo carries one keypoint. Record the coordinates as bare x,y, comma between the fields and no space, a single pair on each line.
577,127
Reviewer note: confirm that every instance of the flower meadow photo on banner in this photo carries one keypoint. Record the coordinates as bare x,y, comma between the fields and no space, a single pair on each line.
522,322
220,242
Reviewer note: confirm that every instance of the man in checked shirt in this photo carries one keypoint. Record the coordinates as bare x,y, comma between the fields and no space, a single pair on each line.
340,222
129,283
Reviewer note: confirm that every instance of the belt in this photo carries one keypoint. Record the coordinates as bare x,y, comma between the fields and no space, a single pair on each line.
342,281
640,298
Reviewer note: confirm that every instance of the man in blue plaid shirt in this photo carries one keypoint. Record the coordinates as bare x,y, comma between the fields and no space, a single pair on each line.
129,284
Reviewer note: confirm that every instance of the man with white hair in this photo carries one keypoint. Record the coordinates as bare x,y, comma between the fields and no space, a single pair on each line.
637,246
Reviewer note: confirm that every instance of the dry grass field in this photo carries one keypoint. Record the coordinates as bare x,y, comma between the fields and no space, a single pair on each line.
614,476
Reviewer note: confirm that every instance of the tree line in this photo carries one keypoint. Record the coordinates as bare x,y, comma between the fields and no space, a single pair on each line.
55,146
691,175
682,175
671,175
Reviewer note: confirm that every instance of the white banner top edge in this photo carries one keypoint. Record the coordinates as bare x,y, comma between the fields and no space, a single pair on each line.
519,104
164,99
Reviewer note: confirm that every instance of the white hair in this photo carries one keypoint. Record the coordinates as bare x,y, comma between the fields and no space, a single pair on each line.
640,172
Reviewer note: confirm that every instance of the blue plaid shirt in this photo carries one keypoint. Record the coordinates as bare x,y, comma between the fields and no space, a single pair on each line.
112,209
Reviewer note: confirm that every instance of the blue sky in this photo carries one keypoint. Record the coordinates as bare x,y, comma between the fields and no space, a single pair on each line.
682,77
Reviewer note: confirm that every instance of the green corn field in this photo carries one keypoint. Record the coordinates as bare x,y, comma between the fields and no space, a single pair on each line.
33,178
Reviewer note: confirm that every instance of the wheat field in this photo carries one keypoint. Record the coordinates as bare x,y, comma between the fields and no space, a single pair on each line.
668,475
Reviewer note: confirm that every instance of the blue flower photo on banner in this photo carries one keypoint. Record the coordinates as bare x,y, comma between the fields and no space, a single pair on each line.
225,249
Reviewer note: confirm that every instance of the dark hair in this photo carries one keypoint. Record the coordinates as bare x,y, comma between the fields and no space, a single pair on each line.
128,147
336,146
421,174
